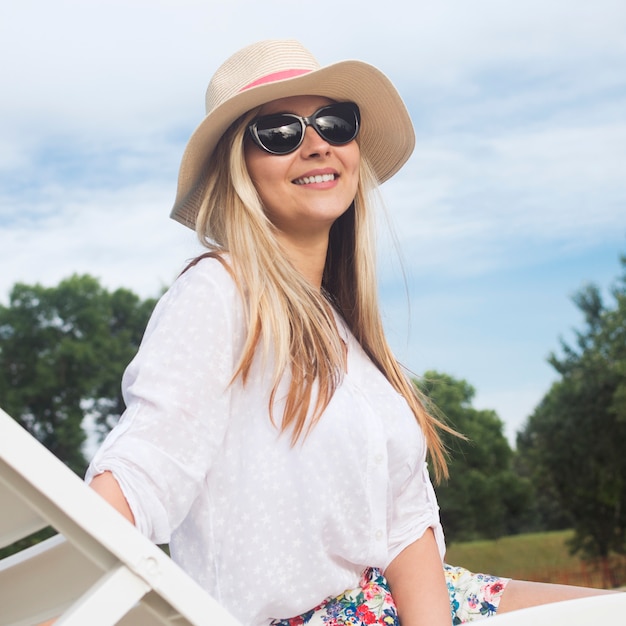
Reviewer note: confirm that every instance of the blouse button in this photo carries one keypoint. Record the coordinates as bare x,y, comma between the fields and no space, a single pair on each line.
378,459
378,535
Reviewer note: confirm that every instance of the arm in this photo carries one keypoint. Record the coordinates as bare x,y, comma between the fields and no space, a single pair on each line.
177,395
418,585
106,485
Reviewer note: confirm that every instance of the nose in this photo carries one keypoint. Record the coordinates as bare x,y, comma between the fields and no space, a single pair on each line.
313,144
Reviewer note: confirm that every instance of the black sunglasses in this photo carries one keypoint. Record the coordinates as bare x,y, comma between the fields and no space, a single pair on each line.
282,133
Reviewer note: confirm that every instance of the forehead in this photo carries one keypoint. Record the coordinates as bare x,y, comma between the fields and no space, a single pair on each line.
301,105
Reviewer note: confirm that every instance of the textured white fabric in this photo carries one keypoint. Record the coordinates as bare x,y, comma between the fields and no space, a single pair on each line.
268,529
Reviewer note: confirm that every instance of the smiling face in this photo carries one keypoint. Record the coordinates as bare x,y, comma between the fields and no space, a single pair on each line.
305,191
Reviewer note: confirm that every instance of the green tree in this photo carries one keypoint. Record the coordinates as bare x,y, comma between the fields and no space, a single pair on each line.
483,498
62,354
576,437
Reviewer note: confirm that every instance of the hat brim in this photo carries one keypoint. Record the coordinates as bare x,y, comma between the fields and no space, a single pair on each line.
386,137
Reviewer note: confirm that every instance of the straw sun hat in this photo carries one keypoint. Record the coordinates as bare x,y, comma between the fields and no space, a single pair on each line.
273,69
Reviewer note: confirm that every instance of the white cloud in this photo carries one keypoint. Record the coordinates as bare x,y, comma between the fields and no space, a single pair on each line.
134,62
123,75
465,204
122,237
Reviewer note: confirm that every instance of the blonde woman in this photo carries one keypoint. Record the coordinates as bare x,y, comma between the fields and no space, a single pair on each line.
271,438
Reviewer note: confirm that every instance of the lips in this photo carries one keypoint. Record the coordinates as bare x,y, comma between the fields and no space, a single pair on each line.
318,178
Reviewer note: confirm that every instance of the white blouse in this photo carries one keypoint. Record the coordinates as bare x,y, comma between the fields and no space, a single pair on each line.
268,529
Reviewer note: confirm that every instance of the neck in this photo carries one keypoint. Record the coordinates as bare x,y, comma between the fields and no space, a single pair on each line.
308,257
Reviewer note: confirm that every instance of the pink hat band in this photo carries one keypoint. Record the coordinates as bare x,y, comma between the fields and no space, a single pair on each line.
274,76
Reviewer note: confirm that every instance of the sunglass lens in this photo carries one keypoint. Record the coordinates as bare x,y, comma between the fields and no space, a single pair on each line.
279,134
337,124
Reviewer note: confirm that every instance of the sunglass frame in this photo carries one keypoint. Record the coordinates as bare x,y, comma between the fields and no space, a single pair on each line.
310,120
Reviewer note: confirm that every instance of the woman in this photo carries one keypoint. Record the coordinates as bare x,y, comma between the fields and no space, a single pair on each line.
270,437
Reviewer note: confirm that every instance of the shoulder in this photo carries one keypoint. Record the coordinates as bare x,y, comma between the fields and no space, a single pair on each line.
205,278
204,291
208,268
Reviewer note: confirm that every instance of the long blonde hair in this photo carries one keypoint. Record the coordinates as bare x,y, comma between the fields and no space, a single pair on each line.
286,315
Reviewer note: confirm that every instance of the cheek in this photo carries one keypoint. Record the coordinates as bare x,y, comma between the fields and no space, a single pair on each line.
353,155
355,162
253,162
265,170
263,175
257,170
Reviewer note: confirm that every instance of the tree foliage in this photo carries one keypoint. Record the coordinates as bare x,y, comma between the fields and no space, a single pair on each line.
484,498
575,440
62,354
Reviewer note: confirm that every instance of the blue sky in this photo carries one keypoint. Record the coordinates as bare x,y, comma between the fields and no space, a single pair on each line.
514,198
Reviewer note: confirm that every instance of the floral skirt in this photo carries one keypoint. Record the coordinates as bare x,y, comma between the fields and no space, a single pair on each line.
472,597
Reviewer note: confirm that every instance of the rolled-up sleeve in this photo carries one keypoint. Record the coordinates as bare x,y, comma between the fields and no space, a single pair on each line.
177,394
414,509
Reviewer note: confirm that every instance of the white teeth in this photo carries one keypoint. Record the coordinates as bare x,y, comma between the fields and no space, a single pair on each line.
319,178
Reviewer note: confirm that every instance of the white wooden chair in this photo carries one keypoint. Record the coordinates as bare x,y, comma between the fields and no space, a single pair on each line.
99,570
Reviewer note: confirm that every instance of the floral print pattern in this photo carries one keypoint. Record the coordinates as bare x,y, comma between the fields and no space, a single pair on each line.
472,597
369,603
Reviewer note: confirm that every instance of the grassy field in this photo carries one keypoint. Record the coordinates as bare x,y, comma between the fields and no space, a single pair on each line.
542,557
